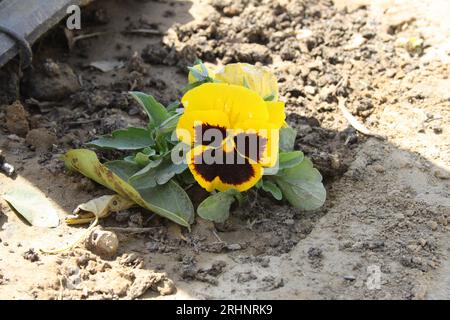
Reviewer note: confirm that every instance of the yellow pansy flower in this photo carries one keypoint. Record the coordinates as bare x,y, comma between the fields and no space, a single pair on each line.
259,79
233,133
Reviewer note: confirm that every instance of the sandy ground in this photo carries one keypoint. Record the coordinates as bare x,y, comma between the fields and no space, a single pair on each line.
383,232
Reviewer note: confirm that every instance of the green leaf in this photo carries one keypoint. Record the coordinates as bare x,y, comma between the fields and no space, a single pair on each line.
161,142
125,139
168,170
198,74
156,172
192,85
145,178
149,151
142,159
169,200
129,159
302,185
287,138
290,159
259,184
32,204
217,206
270,97
156,112
173,106
205,71
187,178
170,124
123,168
272,188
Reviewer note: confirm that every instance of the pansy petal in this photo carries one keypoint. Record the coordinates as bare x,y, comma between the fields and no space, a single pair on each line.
253,172
268,149
191,121
258,79
228,170
206,181
251,145
276,113
238,102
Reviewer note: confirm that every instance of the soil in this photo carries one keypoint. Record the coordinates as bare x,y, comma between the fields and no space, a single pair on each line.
383,232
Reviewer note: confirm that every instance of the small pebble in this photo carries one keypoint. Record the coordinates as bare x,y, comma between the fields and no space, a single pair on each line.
378,168
437,129
289,222
441,174
234,247
443,220
399,216
310,90
104,243
433,225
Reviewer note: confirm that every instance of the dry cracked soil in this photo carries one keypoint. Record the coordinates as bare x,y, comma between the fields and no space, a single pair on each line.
383,232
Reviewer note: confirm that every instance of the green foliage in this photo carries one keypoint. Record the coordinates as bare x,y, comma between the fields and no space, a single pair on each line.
301,185
125,139
156,112
290,159
272,188
168,200
217,206
32,205
287,138
270,97
147,176
157,172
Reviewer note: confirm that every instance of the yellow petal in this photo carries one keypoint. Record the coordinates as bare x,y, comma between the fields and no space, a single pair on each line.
244,186
207,184
190,119
237,102
276,113
266,130
258,79
222,176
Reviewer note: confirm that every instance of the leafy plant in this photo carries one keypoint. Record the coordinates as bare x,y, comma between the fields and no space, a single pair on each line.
147,175
217,206
168,200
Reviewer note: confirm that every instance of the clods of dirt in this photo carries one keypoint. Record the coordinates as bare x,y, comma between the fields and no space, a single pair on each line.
50,81
41,139
82,275
143,281
315,256
17,119
190,271
131,260
246,276
31,255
